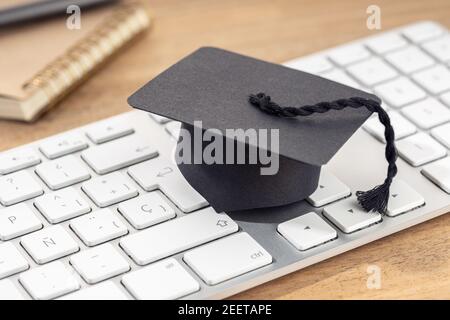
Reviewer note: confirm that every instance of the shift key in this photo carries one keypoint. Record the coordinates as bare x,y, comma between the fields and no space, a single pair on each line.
177,235
119,154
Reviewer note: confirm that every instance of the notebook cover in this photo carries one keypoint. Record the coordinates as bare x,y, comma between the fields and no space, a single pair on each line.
46,60
32,46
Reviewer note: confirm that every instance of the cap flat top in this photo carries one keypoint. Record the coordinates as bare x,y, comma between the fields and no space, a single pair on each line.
212,85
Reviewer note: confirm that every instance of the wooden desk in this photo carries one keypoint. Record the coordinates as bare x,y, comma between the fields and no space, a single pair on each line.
414,263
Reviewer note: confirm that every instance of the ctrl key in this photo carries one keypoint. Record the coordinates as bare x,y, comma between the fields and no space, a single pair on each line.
227,258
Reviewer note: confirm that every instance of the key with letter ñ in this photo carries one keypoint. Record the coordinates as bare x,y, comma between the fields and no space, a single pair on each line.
49,244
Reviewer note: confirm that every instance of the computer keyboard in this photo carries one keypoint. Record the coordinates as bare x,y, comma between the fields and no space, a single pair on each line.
101,212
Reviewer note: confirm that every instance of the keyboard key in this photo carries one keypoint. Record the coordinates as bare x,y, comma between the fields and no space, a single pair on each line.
62,145
402,198
173,128
227,258
307,231
108,130
399,92
446,98
161,174
109,189
442,134
420,149
439,48
17,220
12,161
62,205
62,172
11,261
427,113
340,77
410,59
49,244
8,291
372,71
314,65
146,210
348,54
439,173
98,227
160,281
422,31
436,80
329,190
386,42
99,263
103,291
49,281
119,154
17,187
180,234
402,127
159,119
349,216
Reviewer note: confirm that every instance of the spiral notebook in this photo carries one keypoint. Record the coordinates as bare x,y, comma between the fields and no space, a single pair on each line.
42,62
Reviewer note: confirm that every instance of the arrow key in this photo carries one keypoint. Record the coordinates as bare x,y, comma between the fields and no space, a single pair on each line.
307,231
349,216
330,189
402,198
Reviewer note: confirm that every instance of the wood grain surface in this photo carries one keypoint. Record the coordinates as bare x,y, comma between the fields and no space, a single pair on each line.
414,263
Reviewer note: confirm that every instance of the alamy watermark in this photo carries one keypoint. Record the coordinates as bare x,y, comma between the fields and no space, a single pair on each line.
374,278
374,19
73,21
208,146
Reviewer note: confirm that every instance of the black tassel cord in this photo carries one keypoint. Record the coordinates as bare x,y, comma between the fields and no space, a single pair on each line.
375,199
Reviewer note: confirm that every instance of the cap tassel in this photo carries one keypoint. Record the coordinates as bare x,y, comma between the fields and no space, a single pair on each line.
375,199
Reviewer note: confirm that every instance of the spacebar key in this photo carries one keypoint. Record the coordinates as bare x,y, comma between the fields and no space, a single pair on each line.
177,235
118,154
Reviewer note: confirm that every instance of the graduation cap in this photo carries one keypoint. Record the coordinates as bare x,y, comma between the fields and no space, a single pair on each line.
220,92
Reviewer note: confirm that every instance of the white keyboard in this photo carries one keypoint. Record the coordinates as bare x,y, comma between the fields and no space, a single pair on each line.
101,213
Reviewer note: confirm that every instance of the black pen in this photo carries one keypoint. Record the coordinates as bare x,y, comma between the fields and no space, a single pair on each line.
43,9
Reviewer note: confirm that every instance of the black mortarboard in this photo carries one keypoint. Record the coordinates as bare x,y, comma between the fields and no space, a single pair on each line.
216,87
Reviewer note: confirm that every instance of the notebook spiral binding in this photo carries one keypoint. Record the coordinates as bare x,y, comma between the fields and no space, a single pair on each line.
80,60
